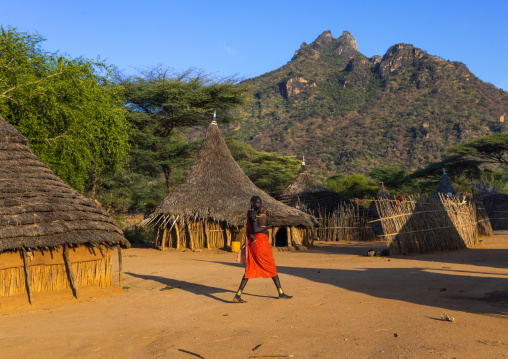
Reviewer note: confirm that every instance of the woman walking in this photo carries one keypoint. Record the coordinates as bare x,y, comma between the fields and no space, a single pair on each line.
260,262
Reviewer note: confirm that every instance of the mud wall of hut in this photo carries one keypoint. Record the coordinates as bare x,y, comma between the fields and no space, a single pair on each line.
47,270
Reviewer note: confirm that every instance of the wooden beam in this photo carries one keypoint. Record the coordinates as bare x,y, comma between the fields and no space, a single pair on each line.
70,272
228,234
28,278
207,234
177,231
191,238
119,265
164,237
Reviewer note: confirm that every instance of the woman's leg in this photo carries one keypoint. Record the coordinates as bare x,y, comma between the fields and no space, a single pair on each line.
282,295
238,298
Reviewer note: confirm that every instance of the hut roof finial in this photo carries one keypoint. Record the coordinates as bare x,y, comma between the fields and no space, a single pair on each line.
214,122
303,161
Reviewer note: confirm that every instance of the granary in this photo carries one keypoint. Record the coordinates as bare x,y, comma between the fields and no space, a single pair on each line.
445,187
307,193
51,237
209,208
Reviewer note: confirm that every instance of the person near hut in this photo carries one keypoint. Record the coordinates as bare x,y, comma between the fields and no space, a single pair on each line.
263,221
259,262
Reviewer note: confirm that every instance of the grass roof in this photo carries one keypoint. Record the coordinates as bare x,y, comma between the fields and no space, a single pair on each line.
38,210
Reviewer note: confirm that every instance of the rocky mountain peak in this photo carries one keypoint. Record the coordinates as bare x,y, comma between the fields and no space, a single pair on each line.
349,39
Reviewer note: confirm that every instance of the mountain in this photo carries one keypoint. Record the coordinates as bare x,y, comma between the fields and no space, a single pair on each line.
348,113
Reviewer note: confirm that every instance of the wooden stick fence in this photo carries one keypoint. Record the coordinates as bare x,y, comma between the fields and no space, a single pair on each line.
347,223
428,224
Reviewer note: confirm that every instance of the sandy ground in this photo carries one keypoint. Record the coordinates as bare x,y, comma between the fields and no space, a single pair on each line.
345,305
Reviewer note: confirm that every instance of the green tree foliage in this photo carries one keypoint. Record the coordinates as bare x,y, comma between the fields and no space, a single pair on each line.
271,172
159,101
491,148
67,108
463,173
393,177
352,186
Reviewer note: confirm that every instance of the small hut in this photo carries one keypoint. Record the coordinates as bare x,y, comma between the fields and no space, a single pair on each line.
51,237
209,208
382,194
496,205
307,193
445,187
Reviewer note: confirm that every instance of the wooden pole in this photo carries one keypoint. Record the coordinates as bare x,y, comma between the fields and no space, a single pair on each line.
28,279
228,235
177,231
164,237
70,272
191,238
207,234
119,265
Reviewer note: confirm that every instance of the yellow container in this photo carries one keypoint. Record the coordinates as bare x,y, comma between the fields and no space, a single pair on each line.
235,246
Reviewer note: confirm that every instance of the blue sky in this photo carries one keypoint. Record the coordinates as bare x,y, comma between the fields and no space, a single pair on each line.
249,38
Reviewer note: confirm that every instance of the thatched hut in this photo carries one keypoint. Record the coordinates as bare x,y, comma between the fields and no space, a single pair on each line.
496,205
445,187
51,237
308,194
338,217
208,209
382,194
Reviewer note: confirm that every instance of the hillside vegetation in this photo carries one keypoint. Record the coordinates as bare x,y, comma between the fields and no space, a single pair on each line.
348,113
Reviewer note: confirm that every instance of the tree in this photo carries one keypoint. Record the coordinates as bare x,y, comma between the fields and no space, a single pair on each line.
354,186
159,101
393,177
271,172
67,108
491,148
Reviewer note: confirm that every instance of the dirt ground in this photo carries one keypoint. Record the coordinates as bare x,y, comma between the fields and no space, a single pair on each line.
345,305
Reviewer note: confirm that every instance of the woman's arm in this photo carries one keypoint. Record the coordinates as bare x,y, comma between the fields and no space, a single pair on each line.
256,228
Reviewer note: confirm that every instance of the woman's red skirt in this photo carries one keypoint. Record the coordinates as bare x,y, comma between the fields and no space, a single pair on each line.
260,262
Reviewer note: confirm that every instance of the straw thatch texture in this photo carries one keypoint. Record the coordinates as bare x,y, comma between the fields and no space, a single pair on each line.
41,220
48,277
37,209
428,224
496,205
307,191
215,189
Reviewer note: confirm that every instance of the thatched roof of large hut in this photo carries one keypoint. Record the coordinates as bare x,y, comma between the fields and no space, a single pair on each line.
445,187
216,188
38,210
306,190
382,193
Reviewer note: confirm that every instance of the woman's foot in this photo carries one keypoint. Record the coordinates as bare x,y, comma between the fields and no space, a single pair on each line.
238,299
285,296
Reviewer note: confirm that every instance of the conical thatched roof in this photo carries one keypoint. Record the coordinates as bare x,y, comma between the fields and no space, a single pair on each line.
38,210
382,193
215,187
307,190
446,186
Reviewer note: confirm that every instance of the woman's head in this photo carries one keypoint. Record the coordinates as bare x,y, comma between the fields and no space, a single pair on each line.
255,202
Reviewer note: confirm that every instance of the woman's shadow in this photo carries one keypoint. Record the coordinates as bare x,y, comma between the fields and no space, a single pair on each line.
198,289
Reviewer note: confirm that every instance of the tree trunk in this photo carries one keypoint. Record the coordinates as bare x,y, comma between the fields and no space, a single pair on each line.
166,168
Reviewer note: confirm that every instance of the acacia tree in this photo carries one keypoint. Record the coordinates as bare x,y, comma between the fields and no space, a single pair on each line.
69,109
159,101
491,148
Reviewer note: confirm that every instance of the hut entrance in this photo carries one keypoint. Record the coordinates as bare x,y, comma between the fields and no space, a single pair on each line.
281,237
